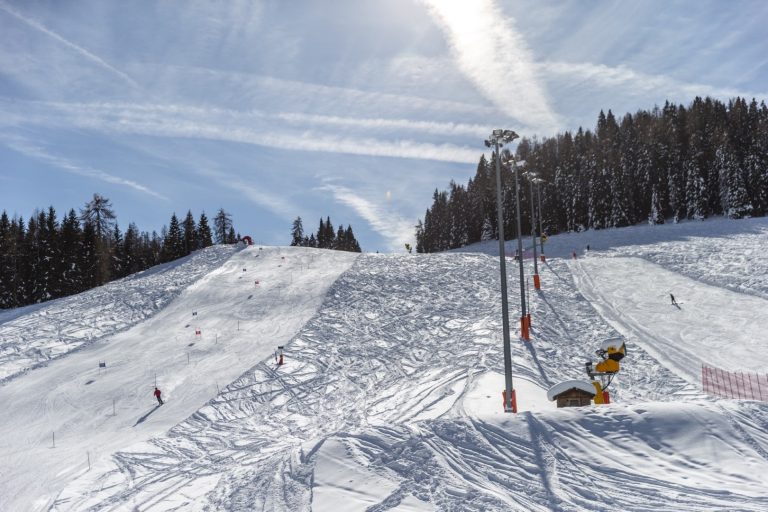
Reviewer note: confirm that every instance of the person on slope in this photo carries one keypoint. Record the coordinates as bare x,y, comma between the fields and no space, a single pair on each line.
157,395
674,302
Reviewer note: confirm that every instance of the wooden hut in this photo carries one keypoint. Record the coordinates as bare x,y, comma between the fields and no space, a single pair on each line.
572,393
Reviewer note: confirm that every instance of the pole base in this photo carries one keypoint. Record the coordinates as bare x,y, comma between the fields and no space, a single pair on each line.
510,406
536,281
543,259
524,328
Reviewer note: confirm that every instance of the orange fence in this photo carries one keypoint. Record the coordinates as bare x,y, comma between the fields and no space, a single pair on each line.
739,385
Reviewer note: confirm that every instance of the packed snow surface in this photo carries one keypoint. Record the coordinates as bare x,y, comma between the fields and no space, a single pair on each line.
390,395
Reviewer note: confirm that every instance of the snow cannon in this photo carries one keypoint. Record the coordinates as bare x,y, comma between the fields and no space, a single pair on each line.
611,351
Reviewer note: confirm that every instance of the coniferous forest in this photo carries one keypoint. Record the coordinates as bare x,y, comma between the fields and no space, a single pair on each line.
326,237
44,258
657,166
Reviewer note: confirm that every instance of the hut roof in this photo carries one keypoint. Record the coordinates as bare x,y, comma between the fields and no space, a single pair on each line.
562,387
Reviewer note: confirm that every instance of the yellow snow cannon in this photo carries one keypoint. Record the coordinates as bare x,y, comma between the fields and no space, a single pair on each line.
611,351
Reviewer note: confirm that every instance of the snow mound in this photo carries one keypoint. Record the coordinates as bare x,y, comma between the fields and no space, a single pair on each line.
570,384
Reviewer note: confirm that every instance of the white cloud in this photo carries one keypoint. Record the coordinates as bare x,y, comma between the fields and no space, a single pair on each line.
643,83
382,219
29,149
494,56
69,44
259,196
234,126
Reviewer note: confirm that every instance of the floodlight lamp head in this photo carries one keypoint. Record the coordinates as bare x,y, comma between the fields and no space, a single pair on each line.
487,143
498,132
509,136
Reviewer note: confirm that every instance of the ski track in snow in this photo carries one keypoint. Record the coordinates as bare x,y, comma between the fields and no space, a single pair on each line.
390,399
33,335
381,368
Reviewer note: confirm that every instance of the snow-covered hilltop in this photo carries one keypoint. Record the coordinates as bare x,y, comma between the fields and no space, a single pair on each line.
390,398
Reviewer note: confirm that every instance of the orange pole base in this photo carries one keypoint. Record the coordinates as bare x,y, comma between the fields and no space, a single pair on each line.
606,397
514,400
543,259
536,281
524,328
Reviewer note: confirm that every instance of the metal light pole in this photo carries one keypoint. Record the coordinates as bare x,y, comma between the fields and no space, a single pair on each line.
531,176
497,139
539,181
524,324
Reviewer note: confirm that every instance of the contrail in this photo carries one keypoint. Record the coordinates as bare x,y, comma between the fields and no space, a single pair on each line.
82,51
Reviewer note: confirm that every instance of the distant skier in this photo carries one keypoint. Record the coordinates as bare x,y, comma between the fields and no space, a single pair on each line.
674,302
587,247
157,395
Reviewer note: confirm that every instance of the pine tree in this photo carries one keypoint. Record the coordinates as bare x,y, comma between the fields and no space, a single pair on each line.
351,241
330,234
232,238
204,236
190,234
50,255
321,236
117,269
132,250
7,268
89,258
297,233
71,242
222,223
173,242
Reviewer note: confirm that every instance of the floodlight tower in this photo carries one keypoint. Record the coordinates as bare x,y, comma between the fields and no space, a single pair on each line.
525,318
497,139
538,182
532,177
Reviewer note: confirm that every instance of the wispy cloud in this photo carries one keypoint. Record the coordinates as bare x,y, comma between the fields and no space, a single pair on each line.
69,44
638,83
494,56
25,147
382,219
273,202
233,126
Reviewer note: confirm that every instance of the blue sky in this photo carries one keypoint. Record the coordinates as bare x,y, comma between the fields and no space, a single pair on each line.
351,109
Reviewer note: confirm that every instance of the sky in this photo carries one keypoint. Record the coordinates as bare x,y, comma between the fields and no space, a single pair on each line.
357,110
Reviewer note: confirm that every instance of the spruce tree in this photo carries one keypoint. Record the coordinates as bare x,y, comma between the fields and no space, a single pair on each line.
173,243
204,236
297,233
7,270
71,244
190,234
222,224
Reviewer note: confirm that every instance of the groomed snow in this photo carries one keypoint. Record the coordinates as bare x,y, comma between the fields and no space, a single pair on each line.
390,398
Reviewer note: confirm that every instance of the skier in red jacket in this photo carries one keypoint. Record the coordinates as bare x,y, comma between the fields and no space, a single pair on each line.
157,395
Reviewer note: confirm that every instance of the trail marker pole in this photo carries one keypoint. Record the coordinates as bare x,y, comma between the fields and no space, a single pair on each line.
114,413
53,437
89,460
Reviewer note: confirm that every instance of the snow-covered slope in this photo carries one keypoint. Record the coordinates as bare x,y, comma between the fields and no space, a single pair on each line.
33,335
390,398
93,412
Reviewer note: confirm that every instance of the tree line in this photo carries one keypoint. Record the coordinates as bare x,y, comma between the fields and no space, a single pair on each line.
661,165
326,237
44,258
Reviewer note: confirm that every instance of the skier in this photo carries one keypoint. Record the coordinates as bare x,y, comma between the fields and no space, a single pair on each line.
674,302
157,395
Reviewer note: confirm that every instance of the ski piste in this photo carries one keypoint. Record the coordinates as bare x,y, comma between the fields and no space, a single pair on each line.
390,392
